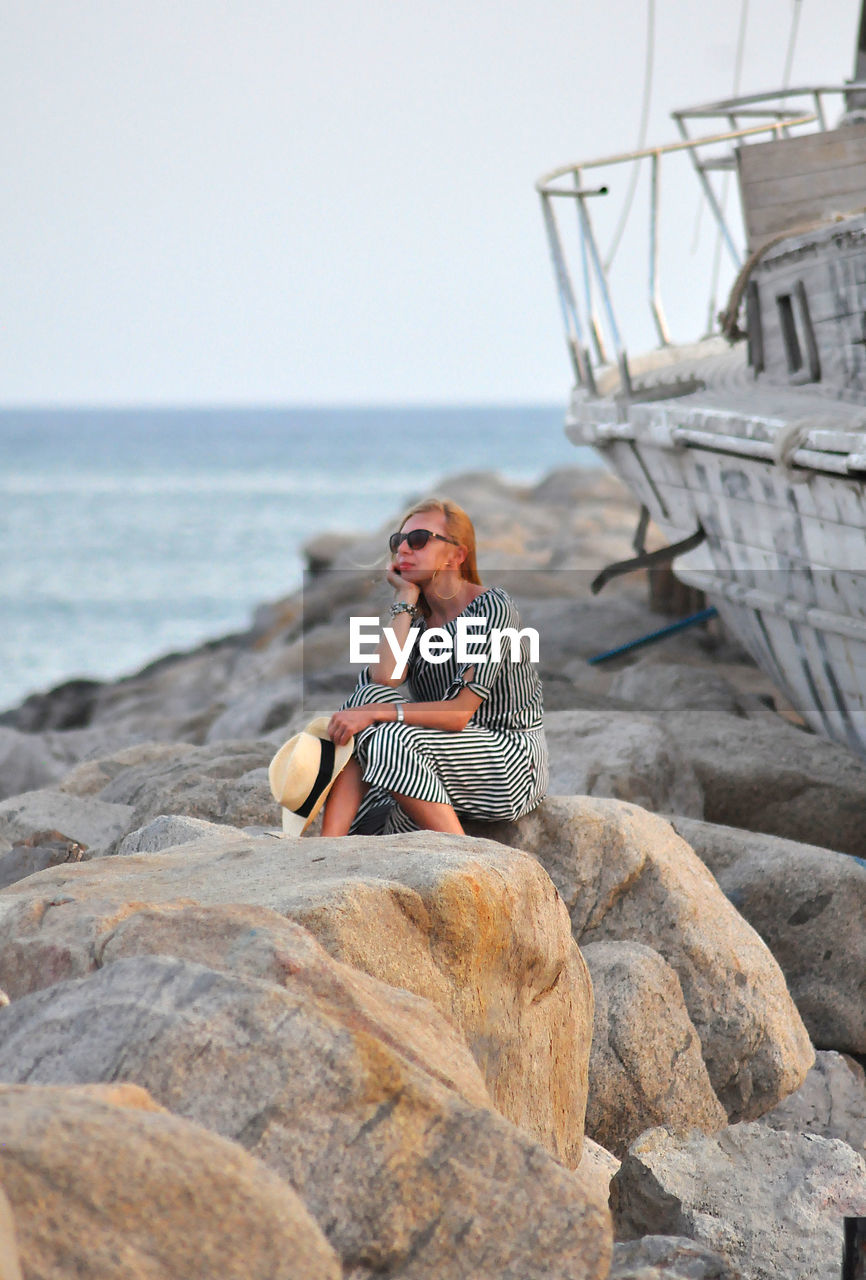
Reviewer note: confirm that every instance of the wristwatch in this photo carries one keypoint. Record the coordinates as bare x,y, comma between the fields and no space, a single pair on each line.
400,716
403,606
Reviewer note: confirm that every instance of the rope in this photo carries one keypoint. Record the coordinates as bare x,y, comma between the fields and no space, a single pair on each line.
786,443
729,318
792,42
738,75
644,125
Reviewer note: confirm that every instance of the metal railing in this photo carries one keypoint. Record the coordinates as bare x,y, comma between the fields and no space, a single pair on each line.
587,333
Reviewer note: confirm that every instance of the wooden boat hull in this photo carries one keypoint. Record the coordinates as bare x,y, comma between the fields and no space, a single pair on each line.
784,560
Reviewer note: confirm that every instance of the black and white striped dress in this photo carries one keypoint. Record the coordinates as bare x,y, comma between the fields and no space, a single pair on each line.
494,768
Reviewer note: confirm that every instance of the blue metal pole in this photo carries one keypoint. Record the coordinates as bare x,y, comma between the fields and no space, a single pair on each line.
703,616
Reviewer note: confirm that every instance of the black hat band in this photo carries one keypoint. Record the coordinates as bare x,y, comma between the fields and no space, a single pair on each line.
323,777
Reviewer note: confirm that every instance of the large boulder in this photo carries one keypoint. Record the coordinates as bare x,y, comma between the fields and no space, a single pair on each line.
94,823
168,831
809,905
831,1102
668,1258
653,685
404,1175
625,875
600,1165
645,1065
623,756
29,761
771,1203
254,942
768,775
225,782
43,849
105,1185
257,711
25,764
10,1268
476,928
90,776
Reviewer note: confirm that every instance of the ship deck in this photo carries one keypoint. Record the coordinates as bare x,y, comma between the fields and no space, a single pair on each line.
707,389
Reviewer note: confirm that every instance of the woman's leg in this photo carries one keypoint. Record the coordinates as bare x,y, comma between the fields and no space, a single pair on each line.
343,800
349,789
429,815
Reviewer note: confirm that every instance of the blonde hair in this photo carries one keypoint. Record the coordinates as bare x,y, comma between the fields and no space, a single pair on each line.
458,526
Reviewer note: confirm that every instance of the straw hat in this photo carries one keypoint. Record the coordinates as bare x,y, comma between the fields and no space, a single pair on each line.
303,771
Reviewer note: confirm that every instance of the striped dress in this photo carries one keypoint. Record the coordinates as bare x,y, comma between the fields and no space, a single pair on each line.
494,768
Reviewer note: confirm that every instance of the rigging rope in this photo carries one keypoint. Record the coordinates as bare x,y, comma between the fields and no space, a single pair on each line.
792,42
644,125
717,255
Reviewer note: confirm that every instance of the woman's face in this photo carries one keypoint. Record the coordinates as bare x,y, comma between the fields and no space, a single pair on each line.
419,566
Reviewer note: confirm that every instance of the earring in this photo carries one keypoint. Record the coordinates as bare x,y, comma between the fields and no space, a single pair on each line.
453,593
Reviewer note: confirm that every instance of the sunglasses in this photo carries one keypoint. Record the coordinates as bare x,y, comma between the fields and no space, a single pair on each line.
416,538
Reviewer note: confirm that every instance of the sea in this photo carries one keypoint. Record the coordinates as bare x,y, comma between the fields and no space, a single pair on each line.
129,533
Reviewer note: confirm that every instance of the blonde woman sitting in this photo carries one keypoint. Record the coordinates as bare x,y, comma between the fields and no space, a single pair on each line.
444,739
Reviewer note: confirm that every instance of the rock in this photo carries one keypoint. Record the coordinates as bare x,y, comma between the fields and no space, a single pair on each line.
29,761
623,756
254,942
169,830
44,849
175,689
772,777
321,550
93,823
67,706
668,1258
808,904
662,686
91,776
476,928
831,1102
9,1264
25,765
574,630
404,1176
226,783
771,1203
626,876
561,693
645,1065
486,939
258,711
598,1164
106,1190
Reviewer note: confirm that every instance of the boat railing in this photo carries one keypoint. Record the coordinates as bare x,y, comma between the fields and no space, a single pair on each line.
591,323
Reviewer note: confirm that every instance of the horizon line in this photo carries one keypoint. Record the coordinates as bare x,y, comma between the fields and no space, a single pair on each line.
268,406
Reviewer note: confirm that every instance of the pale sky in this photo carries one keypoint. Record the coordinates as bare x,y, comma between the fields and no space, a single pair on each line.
331,201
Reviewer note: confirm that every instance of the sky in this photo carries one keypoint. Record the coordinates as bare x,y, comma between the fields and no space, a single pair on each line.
332,201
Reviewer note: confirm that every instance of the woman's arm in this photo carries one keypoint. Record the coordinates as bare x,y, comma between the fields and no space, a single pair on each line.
452,713
385,664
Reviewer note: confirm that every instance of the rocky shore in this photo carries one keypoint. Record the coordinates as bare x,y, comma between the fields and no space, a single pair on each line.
623,1036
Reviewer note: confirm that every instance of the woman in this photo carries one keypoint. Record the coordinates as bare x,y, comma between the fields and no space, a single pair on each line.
440,739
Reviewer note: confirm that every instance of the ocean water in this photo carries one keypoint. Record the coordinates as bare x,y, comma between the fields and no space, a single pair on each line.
126,534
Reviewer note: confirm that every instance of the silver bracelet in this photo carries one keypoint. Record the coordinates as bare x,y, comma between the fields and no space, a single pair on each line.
400,716
402,606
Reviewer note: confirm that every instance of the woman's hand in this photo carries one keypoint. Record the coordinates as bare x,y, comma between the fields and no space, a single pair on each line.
406,590
343,725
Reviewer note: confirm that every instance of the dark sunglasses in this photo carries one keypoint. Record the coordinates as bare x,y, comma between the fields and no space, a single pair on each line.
416,538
